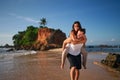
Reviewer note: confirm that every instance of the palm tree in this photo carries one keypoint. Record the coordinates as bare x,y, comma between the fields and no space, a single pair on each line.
43,22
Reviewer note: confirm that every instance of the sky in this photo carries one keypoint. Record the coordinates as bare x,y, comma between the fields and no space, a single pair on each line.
100,18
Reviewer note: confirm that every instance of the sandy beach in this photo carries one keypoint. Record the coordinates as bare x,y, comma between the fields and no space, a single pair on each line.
45,65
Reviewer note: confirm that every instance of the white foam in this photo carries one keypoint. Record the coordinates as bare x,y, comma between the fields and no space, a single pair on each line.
12,54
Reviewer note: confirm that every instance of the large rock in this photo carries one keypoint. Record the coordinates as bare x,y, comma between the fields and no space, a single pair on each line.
112,60
49,38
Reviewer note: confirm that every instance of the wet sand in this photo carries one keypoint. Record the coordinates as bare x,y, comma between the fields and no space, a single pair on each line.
45,65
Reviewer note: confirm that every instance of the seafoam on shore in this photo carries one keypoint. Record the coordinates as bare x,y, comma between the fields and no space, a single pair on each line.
11,54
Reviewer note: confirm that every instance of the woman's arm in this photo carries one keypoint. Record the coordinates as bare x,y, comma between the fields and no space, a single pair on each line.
68,40
73,36
82,39
76,40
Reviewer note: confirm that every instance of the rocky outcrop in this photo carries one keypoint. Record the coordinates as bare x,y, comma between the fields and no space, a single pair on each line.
43,35
49,38
112,60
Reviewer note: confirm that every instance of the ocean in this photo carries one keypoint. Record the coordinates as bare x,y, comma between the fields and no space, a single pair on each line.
107,50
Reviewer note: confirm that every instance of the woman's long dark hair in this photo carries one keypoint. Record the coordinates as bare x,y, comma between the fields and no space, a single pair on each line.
76,22
80,27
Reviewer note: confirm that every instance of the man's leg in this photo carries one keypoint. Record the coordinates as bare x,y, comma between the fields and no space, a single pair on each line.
72,73
76,74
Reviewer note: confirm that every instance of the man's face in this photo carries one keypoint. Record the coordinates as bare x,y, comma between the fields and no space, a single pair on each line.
80,34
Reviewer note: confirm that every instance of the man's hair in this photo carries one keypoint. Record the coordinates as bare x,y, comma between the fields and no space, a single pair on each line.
83,30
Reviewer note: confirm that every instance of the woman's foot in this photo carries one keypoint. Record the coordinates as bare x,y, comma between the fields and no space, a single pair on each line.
62,66
84,66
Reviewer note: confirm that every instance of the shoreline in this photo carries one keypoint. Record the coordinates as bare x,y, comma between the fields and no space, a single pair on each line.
45,65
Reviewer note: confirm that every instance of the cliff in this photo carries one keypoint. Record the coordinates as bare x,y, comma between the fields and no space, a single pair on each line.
49,38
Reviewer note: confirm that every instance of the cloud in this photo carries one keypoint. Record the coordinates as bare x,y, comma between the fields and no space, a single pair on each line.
5,35
112,39
91,41
6,38
24,18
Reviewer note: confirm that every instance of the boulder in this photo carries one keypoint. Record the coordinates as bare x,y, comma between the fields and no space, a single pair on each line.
112,60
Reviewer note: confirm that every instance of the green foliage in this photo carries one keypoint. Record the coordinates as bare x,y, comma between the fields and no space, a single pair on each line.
27,37
17,38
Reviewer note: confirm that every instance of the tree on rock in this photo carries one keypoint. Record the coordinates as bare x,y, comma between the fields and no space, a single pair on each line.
43,22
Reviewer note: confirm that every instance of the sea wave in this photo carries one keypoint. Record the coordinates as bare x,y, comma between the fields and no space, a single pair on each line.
10,55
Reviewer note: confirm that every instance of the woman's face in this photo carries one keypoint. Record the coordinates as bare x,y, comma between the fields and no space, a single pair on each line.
76,27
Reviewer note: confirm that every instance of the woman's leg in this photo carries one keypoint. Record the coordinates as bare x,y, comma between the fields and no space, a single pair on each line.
84,53
76,74
72,73
63,57
68,40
